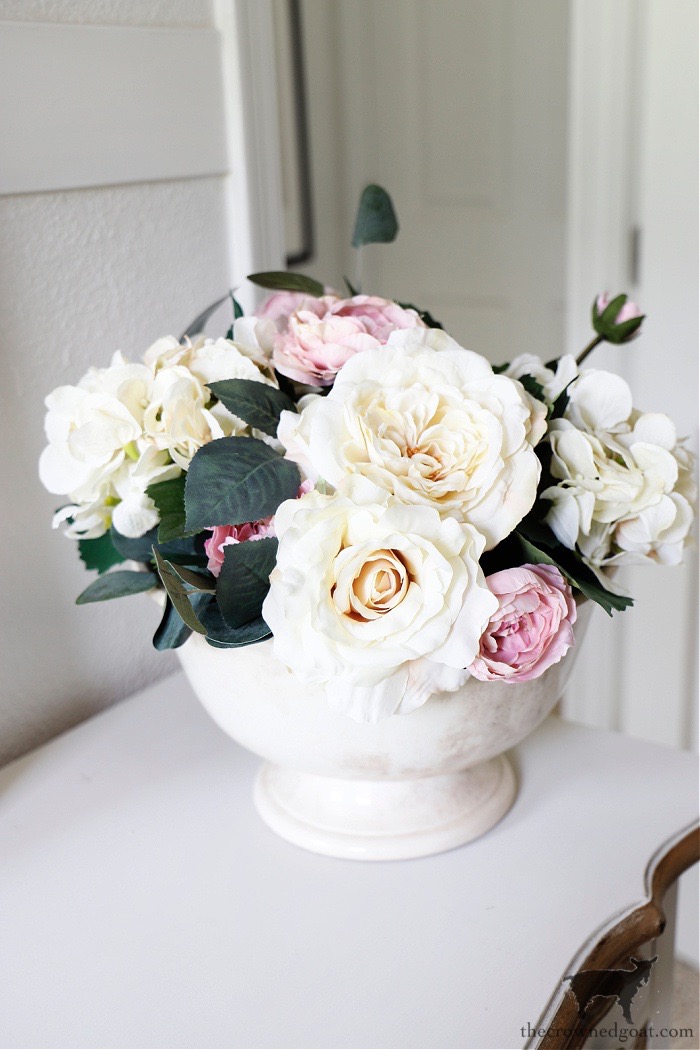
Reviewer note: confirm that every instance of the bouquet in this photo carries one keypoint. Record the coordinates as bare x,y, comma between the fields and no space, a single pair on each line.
339,474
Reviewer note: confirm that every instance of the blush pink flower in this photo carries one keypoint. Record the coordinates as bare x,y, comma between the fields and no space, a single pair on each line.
532,627
223,535
314,346
279,307
628,311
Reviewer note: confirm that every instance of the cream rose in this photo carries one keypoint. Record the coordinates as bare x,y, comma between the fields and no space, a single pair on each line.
430,423
381,602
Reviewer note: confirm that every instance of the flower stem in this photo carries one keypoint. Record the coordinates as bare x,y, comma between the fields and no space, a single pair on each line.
591,346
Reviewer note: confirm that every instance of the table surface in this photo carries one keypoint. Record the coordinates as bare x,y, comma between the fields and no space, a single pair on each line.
144,904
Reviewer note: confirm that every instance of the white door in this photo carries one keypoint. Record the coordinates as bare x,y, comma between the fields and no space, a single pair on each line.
522,144
458,108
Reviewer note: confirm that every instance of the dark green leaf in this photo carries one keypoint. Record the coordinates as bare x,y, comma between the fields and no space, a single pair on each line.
559,406
237,308
195,581
578,574
533,387
376,220
285,281
186,551
256,404
350,287
221,636
499,369
169,498
100,554
177,592
172,630
197,326
237,479
117,585
245,579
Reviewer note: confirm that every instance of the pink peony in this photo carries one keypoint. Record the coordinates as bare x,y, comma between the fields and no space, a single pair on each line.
215,546
280,306
628,311
531,629
314,347
380,317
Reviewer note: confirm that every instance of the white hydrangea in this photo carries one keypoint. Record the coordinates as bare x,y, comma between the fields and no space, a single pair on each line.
125,427
624,488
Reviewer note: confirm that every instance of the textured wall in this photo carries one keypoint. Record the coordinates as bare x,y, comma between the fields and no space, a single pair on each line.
84,273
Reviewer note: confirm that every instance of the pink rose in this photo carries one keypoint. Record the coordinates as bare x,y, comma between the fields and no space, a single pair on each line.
531,629
314,346
215,546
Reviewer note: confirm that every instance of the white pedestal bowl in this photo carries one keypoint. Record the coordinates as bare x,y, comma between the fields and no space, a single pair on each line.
409,786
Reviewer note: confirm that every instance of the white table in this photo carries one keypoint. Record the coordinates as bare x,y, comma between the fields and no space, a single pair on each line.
143,903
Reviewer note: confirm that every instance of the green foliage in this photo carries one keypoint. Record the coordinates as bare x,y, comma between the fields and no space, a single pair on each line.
237,479
172,631
197,326
533,387
99,554
186,551
257,404
245,580
425,316
169,498
285,281
376,220
178,592
533,536
221,636
117,584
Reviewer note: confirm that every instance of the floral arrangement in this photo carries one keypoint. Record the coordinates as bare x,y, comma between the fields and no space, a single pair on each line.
340,474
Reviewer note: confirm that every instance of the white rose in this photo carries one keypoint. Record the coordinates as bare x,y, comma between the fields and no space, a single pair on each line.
552,381
382,602
430,423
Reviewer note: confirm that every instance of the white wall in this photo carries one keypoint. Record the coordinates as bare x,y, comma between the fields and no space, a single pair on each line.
85,272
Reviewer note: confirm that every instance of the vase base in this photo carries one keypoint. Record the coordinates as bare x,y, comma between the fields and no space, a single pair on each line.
384,819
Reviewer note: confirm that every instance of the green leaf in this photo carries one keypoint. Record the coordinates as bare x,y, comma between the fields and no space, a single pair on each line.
186,551
177,592
100,554
117,585
350,287
533,387
237,308
221,636
237,479
197,326
499,369
172,631
286,281
578,574
256,404
169,498
376,220
244,579
195,581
